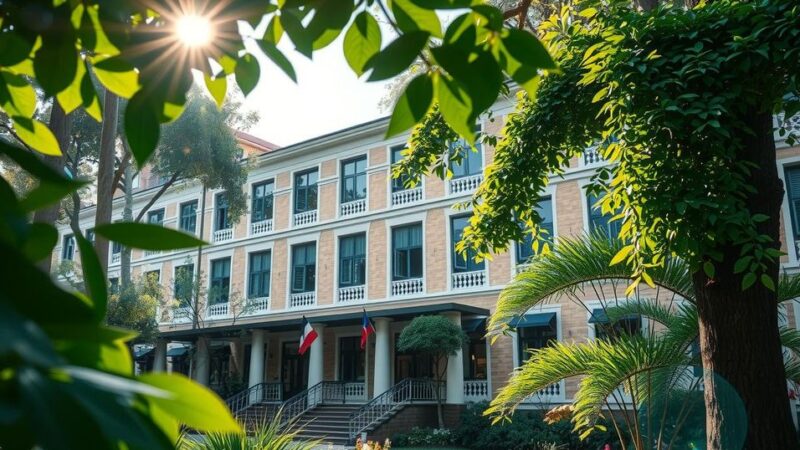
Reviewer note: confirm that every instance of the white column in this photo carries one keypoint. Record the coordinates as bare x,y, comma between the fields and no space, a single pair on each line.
382,357
256,358
455,368
160,356
316,357
202,365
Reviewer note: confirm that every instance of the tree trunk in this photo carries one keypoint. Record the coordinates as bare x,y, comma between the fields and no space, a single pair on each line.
196,293
127,216
60,124
739,338
105,173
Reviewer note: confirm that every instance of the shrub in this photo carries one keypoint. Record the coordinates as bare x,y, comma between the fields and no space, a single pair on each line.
526,430
424,437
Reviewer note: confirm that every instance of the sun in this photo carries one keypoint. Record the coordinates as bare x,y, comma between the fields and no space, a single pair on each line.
194,30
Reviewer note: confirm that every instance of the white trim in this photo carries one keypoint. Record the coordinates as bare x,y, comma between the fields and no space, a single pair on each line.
292,173
249,250
409,219
449,214
290,275
249,196
340,233
338,181
556,308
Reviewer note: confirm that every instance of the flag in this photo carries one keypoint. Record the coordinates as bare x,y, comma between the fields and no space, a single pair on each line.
366,329
307,337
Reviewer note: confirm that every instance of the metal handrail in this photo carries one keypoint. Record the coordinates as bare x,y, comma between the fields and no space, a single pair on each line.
262,392
407,391
324,392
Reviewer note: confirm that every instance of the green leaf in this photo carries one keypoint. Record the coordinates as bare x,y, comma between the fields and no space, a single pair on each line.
40,241
742,264
299,36
748,280
93,276
56,61
217,87
479,75
47,194
71,97
117,76
142,127
621,255
36,135
410,17
247,73
17,96
274,30
528,50
766,280
708,269
397,56
147,236
412,105
362,41
278,58
330,18
191,403
456,107
32,164
91,101
16,48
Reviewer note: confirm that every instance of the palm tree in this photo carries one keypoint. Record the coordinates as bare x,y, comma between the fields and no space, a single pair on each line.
646,377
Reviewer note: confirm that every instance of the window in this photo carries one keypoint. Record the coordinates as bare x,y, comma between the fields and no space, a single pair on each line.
464,161
398,184
156,217
476,365
116,248
68,249
90,235
599,221
113,285
261,208
305,191
260,267
352,361
188,219
222,220
462,262
304,260
604,329
184,283
525,247
352,260
354,179
535,331
153,276
220,281
407,252
793,193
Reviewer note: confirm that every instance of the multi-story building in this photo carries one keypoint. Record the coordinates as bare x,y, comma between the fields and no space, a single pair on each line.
329,234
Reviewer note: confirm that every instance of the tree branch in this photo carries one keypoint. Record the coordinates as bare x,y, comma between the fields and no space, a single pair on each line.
519,11
158,195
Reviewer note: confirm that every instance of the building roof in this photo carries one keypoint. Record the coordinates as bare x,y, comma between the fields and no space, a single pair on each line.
255,142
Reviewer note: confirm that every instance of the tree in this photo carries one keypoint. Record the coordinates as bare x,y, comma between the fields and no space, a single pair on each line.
134,308
66,372
654,366
669,94
439,338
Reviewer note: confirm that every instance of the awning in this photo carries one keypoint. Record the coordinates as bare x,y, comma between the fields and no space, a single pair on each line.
598,316
473,325
141,352
535,320
178,351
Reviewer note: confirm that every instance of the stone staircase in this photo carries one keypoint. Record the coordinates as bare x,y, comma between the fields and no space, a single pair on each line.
331,423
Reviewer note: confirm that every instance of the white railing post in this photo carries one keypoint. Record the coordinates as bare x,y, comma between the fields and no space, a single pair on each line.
351,294
261,227
353,208
408,287
407,196
465,184
476,390
305,218
257,305
303,299
468,280
223,235
218,310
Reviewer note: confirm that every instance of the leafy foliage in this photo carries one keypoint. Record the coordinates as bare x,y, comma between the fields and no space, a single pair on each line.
432,335
135,306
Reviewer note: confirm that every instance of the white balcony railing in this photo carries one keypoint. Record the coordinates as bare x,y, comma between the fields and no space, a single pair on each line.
407,196
218,310
257,305
355,392
351,294
115,257
182,314
469,280
302,299
149,253
261,227
223,235
305,218
476,390
592,157
408,287
353,208
551,394
465,184
791,124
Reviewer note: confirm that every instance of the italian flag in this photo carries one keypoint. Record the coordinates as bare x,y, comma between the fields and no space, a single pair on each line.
307,337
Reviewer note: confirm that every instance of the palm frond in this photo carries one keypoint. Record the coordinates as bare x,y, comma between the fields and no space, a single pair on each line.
788,287
792,366
790,339
651,309
571,263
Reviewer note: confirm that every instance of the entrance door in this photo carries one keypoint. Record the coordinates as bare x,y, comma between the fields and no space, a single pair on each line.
409,365
294,370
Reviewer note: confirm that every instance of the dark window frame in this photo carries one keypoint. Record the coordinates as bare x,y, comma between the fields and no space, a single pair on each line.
351,360
306,193
398,184
459,263
259,280
355,195
306,270
158,214
535,338
262,207
68,247
470,158
220,284
412,252
356,261
525,246
222,219
184,299
186,219
598,220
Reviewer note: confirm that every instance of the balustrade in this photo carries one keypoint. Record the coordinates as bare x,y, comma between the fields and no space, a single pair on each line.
407,196
257,305
354,207
468,280
408,287
302,299
305,218
351,294
218,310
261,227
465,184
223,235
476,390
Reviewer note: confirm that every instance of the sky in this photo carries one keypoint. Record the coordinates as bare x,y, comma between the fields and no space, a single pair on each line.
327,96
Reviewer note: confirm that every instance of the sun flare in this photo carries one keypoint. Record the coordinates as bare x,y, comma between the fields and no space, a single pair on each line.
194,30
